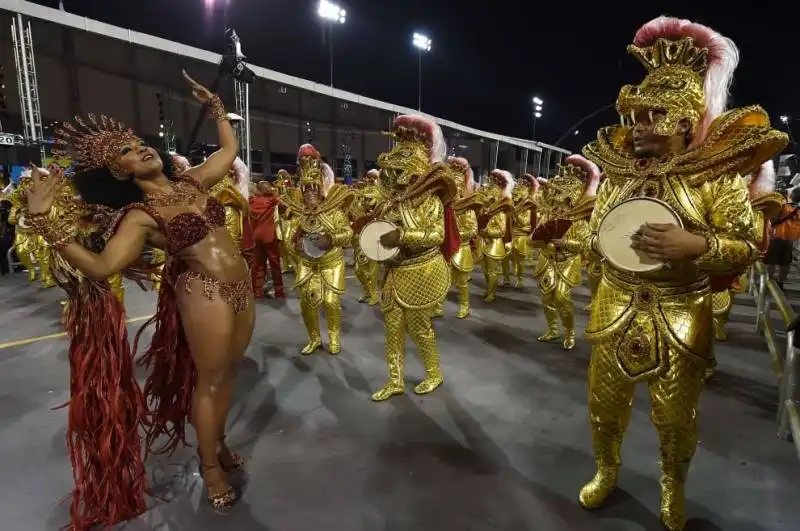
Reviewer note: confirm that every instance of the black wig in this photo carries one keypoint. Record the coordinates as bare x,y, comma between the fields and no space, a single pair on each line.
99,187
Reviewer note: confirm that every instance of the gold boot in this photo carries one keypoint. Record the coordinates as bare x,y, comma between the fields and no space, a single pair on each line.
463,302
311,320
566,312
333,313
426,343
395,356
673,496
551,316
506,267
607,444
491,285
520,270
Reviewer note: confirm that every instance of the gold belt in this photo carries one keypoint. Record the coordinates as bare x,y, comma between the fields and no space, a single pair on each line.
665,288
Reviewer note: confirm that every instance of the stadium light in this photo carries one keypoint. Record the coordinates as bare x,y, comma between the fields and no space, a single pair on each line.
537,101
331,12
423,45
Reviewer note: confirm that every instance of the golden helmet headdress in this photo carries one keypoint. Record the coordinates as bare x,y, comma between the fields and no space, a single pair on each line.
419,143
690,70
312,171
92,144
505,180
577,179
465,186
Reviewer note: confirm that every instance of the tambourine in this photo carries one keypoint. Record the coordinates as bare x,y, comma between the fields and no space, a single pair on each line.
310,247
370,241
618,225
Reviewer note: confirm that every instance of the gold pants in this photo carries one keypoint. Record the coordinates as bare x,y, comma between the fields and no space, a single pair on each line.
557,303
722,303
491,274
460,280
514,265
417,323
674,398
366,272
332,307
287,258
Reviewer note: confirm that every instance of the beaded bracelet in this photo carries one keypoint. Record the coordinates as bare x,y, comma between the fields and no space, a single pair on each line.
216,110
55,234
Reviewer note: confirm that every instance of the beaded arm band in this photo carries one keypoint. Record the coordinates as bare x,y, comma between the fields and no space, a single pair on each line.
55,233
216,111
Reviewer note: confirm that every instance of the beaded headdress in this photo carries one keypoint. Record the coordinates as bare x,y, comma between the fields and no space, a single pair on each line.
690,70
93,144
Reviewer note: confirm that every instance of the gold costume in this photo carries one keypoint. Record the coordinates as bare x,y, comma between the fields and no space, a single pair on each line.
522,223
320,281
30,248
766,205
368,194
494,227
566,199
236,207
657,327
417,281
284,225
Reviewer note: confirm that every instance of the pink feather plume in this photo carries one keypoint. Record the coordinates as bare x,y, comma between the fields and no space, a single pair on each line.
764,180
507,179
430,130
592,170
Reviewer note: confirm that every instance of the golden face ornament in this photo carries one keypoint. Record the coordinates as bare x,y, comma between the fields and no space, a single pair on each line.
408,159
564,190
673,85
310,174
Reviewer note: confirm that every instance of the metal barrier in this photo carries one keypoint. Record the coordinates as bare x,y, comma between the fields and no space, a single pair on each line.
784,360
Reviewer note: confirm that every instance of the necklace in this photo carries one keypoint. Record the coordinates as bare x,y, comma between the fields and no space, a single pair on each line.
180,195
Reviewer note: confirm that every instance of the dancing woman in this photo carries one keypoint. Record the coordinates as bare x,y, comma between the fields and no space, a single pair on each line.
203,323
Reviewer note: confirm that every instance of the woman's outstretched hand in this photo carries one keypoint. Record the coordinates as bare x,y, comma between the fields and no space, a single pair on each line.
44,191
200,93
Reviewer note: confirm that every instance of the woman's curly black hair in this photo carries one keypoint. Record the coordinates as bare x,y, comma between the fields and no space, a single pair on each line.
98,187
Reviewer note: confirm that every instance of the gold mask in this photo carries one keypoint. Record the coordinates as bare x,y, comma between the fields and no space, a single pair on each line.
673,85
407,159
310,173
563,191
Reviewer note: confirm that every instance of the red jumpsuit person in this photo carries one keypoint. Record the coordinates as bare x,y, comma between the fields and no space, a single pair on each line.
267,248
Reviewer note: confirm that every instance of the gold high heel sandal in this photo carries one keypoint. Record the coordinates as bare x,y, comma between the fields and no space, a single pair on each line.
223,501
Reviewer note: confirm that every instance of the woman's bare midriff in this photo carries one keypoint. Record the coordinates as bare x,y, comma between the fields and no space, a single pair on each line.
216,256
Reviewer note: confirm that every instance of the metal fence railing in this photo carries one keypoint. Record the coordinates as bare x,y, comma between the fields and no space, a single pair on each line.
785,362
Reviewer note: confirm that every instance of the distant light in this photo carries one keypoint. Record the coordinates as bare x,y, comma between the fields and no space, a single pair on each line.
576,133
784,119
161,134
462,146
538,108
537,100
330,11
538,114
162,126
421,42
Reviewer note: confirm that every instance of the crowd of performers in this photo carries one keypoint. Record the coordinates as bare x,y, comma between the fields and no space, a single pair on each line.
677,143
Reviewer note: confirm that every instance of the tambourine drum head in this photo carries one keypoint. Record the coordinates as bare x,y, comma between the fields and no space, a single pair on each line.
370,241
311,249
614,235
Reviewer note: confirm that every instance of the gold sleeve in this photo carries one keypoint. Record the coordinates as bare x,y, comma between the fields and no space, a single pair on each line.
578,238
429,232
731,241
467,225
17,205
496,228
342,231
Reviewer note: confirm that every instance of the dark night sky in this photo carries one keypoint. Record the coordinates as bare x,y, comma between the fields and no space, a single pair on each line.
489,56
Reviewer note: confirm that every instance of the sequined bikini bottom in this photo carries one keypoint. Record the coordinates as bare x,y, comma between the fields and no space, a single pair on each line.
236,293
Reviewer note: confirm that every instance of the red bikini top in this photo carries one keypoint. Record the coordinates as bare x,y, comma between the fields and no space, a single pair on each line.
185,229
